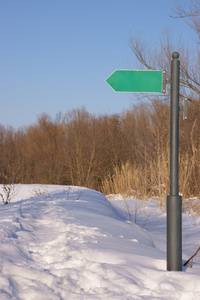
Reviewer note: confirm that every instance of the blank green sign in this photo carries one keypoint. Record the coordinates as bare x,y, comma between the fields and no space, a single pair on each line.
137,81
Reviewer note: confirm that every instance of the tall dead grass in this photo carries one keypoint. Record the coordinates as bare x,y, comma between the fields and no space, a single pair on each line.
136,181
124,180
151,179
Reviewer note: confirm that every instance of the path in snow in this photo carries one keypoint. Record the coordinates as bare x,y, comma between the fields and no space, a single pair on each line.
73,245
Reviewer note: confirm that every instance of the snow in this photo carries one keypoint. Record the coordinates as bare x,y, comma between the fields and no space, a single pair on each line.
61,242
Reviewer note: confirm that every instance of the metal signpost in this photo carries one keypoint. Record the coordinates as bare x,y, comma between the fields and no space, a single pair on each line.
174,201
155,82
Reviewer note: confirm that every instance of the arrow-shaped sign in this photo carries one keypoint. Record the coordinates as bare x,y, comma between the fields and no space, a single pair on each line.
142,81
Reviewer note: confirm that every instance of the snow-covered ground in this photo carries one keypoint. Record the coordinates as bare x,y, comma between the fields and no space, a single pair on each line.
59,242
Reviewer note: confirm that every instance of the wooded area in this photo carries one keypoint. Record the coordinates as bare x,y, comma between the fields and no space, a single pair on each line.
119,153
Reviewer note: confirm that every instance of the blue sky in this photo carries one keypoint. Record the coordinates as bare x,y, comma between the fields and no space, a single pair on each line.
56,54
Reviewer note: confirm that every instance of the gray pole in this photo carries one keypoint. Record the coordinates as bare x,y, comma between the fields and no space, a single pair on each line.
174,201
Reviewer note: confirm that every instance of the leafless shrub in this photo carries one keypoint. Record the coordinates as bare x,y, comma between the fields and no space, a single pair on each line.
133,208
9,191
80,194
68,191
40,191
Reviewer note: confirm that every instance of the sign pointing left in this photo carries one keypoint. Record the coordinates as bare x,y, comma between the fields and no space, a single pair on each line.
142,81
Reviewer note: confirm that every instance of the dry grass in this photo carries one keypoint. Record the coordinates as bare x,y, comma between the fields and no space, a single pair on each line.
143,181
127,180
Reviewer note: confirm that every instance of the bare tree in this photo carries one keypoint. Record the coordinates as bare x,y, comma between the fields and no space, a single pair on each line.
160,58
190,13
8,192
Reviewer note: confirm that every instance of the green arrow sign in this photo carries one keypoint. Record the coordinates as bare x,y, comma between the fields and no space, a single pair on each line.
138,81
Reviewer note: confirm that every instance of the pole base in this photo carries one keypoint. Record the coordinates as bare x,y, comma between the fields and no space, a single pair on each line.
174,233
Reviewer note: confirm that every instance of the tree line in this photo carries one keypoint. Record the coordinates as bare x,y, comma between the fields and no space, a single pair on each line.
79,148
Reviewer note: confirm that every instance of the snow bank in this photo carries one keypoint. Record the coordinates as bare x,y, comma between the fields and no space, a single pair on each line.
64,242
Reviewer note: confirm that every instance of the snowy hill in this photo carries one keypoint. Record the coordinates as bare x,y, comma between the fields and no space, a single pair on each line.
64,242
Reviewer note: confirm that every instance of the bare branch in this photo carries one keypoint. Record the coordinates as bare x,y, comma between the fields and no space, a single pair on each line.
160,58
191,14
185,264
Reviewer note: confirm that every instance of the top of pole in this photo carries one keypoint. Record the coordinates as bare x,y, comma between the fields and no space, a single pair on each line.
175,55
